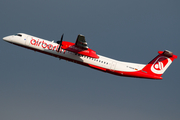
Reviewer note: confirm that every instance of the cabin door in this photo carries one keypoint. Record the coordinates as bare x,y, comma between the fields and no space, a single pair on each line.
27,40
113,66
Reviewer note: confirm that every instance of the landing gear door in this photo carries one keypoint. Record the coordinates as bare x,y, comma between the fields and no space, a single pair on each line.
113,66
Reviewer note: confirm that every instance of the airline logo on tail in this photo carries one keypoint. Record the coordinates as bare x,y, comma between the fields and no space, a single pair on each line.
160,65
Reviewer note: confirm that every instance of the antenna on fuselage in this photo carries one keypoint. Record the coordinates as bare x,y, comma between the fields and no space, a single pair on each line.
60,42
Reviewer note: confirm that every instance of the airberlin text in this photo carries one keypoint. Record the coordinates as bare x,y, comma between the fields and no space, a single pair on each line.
44,44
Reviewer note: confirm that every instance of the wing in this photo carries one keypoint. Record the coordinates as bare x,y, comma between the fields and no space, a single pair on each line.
81,42
79,47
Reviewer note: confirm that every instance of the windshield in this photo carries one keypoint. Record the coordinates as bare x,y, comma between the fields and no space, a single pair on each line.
18,35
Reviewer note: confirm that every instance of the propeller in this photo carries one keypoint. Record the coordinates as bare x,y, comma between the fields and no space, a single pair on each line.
60,42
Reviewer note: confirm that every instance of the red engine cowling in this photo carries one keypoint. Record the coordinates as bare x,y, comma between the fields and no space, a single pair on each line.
73,48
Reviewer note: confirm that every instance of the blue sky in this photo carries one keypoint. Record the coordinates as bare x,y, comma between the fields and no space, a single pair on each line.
40,87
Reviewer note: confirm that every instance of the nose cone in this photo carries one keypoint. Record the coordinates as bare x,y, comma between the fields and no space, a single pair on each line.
7,38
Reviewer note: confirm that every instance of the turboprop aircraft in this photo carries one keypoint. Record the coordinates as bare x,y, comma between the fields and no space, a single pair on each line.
80,53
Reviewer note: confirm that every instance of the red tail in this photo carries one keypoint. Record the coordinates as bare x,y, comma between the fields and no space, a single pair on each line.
160,63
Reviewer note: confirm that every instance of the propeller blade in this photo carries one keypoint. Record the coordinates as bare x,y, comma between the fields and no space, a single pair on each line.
60,42
62,37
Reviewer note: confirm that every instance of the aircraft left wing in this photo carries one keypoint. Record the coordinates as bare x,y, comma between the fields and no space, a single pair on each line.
80,47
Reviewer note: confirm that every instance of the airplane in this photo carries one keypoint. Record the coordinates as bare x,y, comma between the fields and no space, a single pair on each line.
80,53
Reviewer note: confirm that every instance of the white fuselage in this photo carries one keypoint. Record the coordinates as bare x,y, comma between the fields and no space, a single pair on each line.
50,47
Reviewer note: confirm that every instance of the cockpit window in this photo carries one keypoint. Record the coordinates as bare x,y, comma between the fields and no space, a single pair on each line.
18,35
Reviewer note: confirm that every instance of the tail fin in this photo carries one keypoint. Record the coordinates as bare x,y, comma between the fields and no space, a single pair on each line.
160,63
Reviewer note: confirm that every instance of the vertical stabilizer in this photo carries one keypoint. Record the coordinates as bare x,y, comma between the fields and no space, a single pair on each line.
160,63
